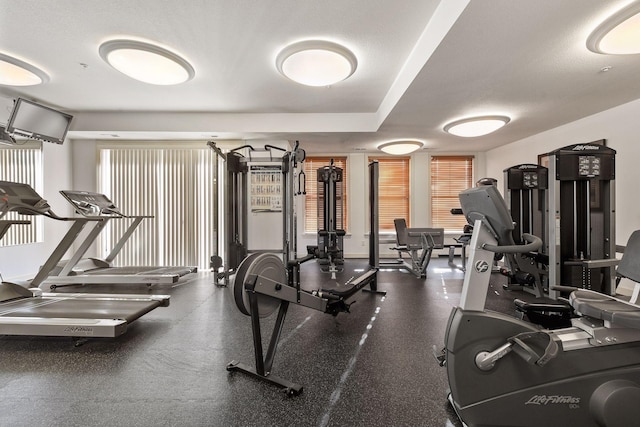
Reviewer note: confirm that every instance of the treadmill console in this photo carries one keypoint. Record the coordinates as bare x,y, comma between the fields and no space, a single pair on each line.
91,204
21,198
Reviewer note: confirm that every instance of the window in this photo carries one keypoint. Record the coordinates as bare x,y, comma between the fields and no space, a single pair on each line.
311,166
22,163
449,176
393,191
175,184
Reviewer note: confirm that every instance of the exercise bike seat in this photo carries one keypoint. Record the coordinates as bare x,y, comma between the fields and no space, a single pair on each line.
616,311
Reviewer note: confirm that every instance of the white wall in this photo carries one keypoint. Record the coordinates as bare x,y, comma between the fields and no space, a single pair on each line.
22,261
619,126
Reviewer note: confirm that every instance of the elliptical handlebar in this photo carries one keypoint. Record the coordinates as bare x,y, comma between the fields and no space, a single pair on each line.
533,244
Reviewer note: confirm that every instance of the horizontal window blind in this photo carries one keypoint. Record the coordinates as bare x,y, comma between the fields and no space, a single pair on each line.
449,176
175,185
22,163
312,217
393,190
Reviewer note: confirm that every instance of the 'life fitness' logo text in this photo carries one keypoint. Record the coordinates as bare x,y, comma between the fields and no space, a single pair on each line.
572,401
585,147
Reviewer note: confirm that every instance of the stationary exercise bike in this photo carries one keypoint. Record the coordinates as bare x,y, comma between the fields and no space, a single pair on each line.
507,372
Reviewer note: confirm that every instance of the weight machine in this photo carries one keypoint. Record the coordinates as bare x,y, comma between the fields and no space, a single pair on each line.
581,218
525,195
330,221
260,183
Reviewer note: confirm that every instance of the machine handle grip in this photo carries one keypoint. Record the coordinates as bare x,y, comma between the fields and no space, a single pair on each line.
302,183
533,244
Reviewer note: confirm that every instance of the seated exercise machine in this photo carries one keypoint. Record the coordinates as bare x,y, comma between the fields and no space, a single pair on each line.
264,283
503,371
418,244
26,310
78,270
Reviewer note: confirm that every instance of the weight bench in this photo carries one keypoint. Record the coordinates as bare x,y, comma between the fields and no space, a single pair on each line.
419,244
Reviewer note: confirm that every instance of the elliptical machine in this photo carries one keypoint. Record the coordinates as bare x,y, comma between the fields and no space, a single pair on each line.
506,372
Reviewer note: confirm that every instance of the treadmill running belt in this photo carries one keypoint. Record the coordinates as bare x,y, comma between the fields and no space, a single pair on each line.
142,271
78,308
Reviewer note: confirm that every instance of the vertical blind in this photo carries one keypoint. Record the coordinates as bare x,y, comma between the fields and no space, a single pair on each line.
22,163
175,185
311,166
393,190
449,176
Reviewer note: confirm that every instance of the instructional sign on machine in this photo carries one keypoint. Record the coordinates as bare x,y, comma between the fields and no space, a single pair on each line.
266,188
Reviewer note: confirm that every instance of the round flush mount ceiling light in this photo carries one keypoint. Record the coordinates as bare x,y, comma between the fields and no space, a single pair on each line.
400,147
316,62
619,34
476,126
146,62
15,72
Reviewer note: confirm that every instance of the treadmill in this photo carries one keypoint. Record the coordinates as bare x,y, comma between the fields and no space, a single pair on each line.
29,311
83,271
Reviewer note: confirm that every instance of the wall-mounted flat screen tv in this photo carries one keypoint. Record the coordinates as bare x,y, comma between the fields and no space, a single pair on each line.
36,121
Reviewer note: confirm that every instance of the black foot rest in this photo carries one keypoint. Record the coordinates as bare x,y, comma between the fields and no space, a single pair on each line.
604,307
356,285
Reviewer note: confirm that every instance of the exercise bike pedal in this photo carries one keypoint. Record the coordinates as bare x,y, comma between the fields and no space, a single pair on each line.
440,355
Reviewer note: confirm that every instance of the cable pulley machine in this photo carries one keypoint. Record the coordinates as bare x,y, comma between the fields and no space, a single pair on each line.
581,218
526,196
